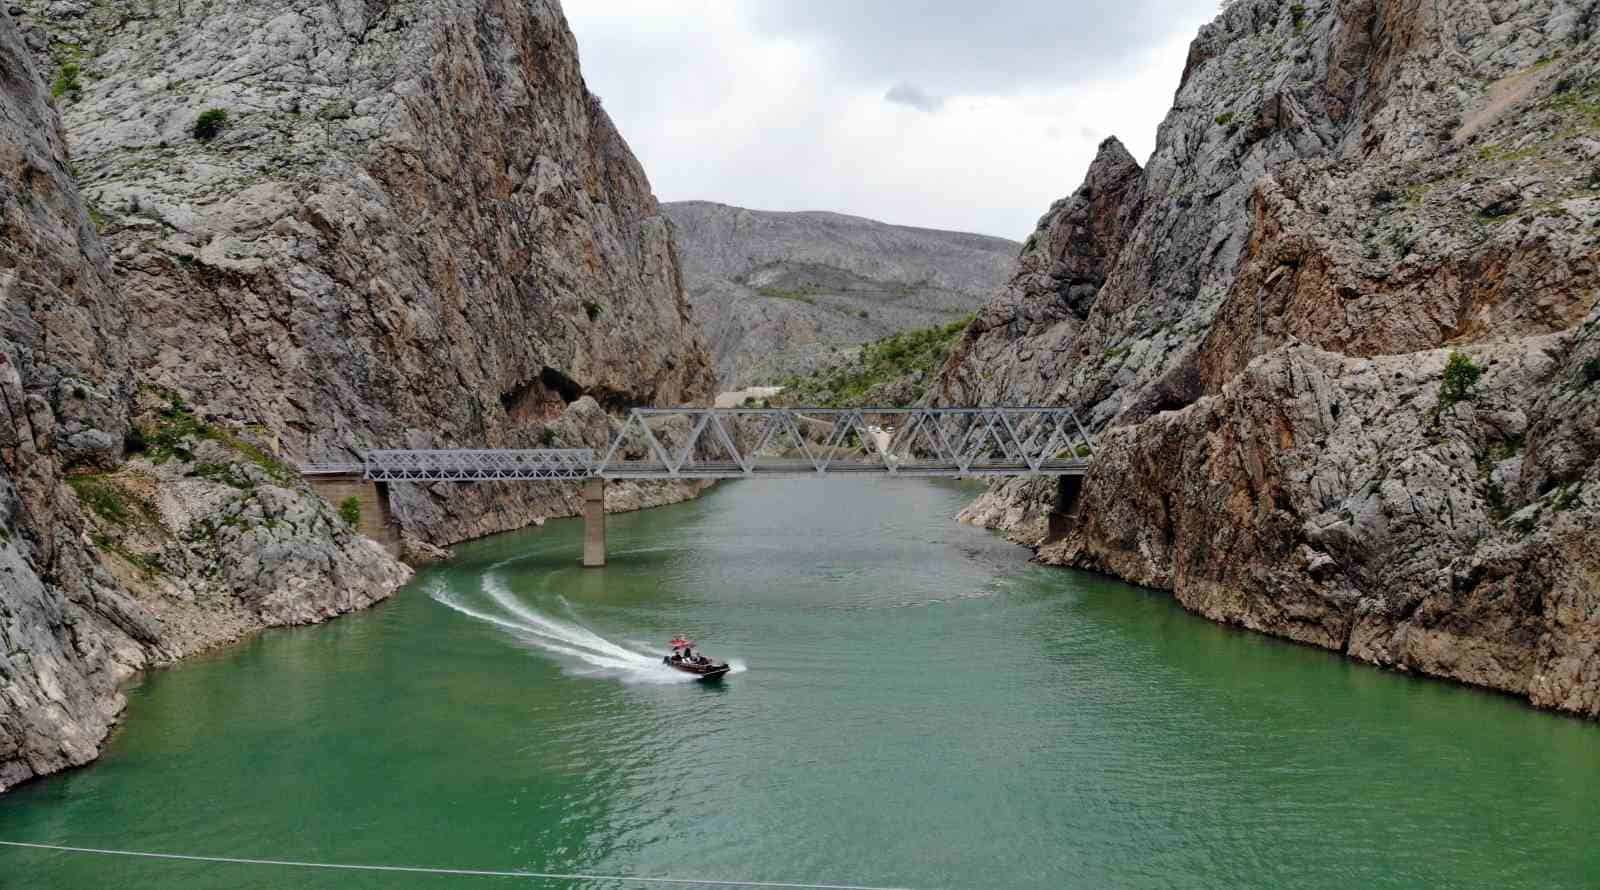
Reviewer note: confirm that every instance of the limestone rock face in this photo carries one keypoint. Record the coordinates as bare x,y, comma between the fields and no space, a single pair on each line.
415,229
1342,194
96,580
781,294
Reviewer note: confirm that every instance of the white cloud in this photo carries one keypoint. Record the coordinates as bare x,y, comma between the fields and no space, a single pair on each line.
747,104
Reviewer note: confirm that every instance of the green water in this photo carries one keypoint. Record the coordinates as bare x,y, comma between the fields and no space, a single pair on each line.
919,707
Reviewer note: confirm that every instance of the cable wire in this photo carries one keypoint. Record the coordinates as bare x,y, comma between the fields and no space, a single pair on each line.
458,872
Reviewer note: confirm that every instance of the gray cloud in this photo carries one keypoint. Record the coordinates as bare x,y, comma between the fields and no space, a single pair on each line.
914,96
957,47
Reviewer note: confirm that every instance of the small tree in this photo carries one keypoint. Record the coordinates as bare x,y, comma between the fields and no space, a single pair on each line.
350,511
1460,376
210,124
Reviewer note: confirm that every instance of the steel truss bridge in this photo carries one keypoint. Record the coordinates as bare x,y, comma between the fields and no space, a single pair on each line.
735,443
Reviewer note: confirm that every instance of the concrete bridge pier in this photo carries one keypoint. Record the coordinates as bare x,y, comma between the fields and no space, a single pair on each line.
594,523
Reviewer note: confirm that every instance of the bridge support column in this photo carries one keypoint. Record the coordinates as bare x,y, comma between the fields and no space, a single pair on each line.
594,523
1068,488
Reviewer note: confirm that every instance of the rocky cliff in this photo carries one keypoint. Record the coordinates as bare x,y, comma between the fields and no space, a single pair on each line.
400,224
1260,319
781,294
109,564
239,235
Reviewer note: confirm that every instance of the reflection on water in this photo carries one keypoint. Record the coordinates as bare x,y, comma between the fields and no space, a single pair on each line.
921,707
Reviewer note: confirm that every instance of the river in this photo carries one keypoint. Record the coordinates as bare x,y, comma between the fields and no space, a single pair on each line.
916,705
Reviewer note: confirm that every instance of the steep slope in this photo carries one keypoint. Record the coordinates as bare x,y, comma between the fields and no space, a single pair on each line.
781,294
415,228
80,608
1259,321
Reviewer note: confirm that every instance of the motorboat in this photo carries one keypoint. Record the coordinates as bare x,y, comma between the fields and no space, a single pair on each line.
684,658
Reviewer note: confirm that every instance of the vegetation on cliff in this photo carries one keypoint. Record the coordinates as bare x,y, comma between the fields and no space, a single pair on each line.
890,372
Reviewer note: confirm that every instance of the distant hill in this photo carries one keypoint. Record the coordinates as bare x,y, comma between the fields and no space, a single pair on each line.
781,294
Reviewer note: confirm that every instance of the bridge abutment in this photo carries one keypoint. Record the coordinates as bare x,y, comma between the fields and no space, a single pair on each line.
377,520
594,523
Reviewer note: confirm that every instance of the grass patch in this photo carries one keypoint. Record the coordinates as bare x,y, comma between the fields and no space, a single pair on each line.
882,361
350,511
148,565
1580,103
1497,153
177,429
104,497
1297,14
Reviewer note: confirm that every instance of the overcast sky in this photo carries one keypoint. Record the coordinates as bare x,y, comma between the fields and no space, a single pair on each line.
940,113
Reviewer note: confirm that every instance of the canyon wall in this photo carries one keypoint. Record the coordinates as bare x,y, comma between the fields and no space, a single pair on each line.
1257,323
241,235
416,228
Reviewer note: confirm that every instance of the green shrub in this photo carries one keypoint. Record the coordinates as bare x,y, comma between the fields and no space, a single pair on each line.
1591,371
592,309
1460,376
350,511
883,361
210,124
1224,118
67,83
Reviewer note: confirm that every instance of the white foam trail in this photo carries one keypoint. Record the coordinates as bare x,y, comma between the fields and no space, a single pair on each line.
579,648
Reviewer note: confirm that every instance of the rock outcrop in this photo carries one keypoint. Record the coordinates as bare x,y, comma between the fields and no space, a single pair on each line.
783,294
240,235
1258,324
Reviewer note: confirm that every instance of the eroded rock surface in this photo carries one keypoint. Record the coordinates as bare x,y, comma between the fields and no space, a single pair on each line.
1258,321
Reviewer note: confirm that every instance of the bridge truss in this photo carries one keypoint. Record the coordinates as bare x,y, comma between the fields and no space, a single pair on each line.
732,443
721,443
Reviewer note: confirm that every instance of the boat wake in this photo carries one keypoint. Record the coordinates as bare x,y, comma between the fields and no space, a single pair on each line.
578,649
